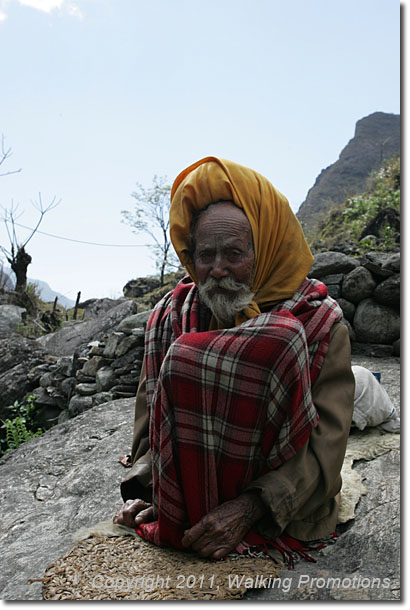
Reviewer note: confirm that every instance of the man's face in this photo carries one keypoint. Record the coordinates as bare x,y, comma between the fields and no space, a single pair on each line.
224,259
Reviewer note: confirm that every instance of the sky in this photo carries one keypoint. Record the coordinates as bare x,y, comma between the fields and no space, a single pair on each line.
98,95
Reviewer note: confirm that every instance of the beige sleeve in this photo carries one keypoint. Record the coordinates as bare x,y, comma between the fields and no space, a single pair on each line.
301,492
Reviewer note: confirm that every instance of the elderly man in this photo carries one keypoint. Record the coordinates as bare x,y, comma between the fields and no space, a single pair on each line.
246,395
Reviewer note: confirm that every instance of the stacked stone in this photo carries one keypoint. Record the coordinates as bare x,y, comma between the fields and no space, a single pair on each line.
56,386
110,368
368,291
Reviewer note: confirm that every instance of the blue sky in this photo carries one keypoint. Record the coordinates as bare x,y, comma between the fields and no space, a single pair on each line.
97,95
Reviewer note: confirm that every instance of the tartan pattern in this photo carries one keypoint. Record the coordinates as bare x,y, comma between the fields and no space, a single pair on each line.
228,405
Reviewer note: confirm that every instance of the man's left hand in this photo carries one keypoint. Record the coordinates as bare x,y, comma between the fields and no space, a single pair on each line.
223,528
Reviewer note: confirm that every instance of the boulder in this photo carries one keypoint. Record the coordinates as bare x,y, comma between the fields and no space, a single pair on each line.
136,321
95,308
388,291
375,323
333,278
112,343
348,308
79,404
10,316
327,263
381,265
358,285
140,286
18,356
93,365
104,379
65,341
392,262
334,291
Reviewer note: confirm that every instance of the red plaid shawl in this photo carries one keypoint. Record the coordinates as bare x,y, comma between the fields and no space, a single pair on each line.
228,405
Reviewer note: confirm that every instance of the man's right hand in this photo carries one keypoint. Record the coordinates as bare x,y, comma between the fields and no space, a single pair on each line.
133,513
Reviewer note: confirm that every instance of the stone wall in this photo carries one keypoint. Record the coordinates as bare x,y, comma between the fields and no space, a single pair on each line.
368,291
103,370
108,368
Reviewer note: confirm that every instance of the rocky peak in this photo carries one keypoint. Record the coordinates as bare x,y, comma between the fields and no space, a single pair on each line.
376,139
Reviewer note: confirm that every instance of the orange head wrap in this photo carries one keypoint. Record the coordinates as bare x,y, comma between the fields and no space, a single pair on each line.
282,256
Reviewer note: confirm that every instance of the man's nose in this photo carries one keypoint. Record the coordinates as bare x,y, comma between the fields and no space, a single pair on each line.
219,268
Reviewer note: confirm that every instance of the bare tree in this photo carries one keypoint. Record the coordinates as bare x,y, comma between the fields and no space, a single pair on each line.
5,154
16,254
151,216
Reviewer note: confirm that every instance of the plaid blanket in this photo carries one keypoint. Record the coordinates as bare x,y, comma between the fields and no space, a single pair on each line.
227,405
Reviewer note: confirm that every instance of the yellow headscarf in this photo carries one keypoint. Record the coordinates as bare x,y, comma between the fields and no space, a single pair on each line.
282,256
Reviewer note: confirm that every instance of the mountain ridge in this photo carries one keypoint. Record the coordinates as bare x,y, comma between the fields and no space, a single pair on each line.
376,139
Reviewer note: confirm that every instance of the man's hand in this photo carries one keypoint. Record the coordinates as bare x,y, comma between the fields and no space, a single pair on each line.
133,513
222,529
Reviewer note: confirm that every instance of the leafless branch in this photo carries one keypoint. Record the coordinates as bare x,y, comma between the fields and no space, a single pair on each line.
39,206
5,154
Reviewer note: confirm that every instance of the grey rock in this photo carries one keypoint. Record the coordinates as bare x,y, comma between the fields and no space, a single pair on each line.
112,343
104,379
358,285
347,307
135,321
392,263
334,291
396,348
49,379
140,286
18,356
127,388
65,366
95,308
131,357
380,264
388,291
10,316
67,479
35,373
327,263
127,344
86,389
79,404
67,386
334,278
91,367
371,350
375,323
81,378
48,408
65,341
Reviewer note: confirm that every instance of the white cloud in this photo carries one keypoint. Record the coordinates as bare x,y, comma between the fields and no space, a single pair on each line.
69,8
42,5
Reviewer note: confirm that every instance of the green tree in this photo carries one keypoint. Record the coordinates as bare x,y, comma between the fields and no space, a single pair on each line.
151,216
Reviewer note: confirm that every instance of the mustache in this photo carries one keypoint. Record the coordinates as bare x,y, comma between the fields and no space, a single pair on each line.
226,283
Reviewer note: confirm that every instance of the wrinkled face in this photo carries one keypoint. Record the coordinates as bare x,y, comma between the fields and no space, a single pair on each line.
224,245
224,260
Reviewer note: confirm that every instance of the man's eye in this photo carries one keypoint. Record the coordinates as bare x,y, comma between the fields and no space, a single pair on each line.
205,255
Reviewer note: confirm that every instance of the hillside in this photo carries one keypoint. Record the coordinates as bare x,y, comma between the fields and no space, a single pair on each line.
366,222
376,139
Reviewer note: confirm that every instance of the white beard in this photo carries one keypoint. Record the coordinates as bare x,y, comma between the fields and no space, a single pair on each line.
224,307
